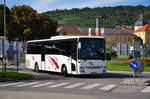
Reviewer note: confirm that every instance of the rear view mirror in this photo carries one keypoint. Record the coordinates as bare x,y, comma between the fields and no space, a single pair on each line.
79,45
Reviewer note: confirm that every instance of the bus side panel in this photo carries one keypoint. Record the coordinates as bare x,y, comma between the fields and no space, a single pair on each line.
31,59
55,62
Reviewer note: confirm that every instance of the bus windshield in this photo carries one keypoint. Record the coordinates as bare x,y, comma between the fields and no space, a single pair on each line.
92,48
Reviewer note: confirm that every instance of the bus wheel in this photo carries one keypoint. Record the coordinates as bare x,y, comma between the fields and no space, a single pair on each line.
64,71
36,67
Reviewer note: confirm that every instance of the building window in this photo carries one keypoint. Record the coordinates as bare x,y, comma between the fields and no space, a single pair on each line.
112,38
125,39
108,38
116,38
120,39
129,39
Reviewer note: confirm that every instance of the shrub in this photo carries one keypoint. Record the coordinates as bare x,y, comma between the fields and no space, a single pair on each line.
113,54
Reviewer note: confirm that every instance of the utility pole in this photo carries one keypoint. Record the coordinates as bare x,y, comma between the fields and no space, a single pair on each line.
96,22
3,41
17,59
96,27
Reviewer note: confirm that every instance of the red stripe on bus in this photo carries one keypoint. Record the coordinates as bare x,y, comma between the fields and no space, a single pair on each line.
56,59
55,63
50,62
33,58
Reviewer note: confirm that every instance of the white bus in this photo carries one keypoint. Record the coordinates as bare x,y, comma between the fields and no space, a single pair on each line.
77,55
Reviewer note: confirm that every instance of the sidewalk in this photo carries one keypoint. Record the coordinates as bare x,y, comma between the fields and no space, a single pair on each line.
137,81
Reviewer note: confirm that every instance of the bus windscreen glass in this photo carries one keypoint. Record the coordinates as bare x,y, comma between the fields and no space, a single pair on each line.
92,49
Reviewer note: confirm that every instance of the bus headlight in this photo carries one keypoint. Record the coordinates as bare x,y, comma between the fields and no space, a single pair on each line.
82,69
104,70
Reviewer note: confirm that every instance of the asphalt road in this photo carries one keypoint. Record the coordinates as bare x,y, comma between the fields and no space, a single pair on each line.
46,85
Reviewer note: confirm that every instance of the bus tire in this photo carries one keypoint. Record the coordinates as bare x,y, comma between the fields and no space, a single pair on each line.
36,67
64,71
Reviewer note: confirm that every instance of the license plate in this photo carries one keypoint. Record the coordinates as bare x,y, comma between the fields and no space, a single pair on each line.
93,72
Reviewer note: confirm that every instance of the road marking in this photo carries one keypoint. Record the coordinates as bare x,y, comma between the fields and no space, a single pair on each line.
41,85
108,87
91,86
58,85
146,90
75,85
27,84
10,84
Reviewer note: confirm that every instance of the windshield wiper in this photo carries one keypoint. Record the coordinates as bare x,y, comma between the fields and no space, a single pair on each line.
84,58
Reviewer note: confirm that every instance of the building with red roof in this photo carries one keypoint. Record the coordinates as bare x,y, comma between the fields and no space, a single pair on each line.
144,33
144,28
127,30
112,36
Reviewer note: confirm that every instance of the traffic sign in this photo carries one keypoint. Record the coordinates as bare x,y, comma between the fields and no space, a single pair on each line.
133,64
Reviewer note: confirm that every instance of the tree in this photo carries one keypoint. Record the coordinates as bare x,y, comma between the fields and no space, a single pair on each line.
43,27
21,22
2,18
27,24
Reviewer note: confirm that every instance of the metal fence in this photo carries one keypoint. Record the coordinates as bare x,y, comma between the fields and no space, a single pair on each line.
123,48
15,55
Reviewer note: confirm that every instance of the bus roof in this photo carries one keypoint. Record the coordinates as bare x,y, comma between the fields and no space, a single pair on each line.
65,37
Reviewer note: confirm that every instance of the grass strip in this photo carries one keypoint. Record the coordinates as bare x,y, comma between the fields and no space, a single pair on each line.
116,66
11,75
12,62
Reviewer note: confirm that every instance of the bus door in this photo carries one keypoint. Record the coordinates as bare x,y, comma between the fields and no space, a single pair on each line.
66,47
73,57
43,65
69,61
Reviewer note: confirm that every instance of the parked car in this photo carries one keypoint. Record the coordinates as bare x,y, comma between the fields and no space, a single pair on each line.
144,53
131,56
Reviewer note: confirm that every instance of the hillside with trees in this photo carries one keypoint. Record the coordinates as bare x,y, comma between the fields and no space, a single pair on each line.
109,17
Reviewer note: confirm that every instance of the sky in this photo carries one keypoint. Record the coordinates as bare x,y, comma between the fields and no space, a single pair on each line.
49,5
